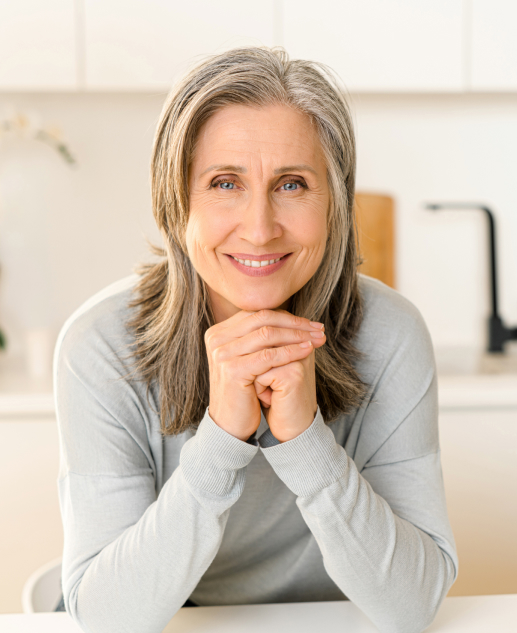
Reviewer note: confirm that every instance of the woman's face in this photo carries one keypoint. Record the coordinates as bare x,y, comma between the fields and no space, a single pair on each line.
258,192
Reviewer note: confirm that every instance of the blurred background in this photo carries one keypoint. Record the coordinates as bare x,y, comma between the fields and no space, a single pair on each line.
433,91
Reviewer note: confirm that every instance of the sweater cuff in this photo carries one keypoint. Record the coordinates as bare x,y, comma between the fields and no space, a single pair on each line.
310,462
214,460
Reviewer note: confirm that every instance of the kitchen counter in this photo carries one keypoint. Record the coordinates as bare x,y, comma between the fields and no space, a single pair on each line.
22,394
469,614
470,378
466,361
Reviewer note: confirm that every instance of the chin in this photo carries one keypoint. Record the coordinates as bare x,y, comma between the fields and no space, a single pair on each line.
255,304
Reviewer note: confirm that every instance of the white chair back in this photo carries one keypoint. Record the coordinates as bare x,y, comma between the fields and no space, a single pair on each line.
42,590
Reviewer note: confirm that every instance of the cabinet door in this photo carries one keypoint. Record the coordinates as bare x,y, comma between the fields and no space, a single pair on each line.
381,45
144,44
479,462
37,45
31,531
494,45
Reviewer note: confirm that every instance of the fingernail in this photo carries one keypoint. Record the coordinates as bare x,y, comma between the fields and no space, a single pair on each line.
306,344
316,324
317,334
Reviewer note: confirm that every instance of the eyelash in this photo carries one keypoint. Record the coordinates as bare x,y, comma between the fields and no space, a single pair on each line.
294,180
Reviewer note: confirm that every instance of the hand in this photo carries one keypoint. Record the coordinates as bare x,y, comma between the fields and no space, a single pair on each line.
245,346
288,394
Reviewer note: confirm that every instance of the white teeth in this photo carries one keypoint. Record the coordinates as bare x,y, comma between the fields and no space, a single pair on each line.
253,263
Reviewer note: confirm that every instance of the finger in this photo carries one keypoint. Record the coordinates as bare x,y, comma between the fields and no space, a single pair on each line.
268,337
271,380
265,396
234,319
252,365
243,323
273,318
217,335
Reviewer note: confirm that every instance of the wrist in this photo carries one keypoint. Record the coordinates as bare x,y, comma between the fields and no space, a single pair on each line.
239,432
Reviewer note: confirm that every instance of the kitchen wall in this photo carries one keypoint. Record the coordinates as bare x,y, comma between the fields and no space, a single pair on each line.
67,232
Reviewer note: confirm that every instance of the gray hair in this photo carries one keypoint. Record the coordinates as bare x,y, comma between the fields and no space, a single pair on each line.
172,303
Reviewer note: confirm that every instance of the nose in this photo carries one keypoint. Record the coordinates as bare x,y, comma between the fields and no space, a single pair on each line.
259,224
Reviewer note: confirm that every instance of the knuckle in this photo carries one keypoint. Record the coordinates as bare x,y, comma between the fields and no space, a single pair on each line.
210,338
298,321
267,354
299,334
266,332
218,355
297,371
227,370
287,351
263,315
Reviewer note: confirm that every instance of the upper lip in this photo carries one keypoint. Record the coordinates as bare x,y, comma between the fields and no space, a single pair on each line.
257,258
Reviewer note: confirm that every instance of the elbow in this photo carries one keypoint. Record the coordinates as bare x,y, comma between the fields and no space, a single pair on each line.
417,612
410,620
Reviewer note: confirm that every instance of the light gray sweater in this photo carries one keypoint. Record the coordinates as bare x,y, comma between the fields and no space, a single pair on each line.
353,510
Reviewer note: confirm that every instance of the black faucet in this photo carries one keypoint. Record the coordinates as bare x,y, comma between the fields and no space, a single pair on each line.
498,333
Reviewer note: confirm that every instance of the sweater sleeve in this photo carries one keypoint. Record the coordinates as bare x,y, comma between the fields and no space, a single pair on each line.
384,532
131,557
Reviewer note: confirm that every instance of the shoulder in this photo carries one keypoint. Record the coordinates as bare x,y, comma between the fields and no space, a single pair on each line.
400,411
386,308
100,322
391,324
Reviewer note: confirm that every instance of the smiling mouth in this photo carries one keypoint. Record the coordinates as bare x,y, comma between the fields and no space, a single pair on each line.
253,263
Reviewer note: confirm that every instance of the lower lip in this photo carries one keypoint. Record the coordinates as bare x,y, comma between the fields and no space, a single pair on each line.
263,271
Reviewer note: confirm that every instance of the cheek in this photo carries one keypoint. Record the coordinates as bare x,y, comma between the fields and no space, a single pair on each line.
310,229
205,231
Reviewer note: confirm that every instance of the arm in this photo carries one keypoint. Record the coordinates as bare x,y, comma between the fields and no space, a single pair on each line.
131,557
383,532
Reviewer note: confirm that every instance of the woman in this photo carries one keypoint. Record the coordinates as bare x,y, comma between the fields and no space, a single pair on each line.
248,420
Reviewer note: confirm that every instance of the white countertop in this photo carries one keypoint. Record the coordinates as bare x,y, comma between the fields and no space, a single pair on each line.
470,614
467,378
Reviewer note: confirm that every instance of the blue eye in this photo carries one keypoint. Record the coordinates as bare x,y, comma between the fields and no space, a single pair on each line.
290,186
226,185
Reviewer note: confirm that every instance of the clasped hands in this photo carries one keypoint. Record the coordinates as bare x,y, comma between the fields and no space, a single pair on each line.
263,360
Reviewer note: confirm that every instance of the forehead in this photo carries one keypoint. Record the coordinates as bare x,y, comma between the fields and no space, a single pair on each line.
275,132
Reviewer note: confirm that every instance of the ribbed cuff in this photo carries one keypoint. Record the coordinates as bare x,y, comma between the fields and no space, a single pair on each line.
214,460
310,462
267,439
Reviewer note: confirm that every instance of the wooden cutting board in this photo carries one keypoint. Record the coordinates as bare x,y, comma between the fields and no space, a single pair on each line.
376,235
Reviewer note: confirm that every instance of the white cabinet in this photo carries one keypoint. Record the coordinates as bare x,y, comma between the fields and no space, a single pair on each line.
37,45
374,45
31,531
145,44
380,45
493,45
479,463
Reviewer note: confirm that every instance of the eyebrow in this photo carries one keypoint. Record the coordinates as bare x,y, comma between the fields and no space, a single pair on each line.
235,168
242,170
285,170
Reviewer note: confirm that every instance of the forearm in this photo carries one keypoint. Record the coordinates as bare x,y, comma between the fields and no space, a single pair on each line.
394,571
136,581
